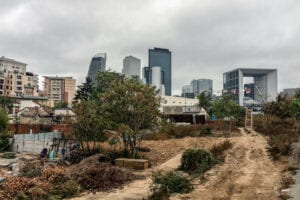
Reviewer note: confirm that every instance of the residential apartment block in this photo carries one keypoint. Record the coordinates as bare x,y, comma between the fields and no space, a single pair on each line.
15,81
60,89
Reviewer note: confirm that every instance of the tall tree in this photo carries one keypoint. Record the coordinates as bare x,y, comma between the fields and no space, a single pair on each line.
205,101
92,116
133,108
84,91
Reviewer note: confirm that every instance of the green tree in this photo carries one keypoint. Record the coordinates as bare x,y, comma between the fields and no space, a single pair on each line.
4,142
84,91
90,124
92,118
205,101
134,108
6,103
226,107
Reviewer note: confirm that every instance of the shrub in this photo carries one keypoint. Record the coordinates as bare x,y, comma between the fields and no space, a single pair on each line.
218,149
66,189
157,136
280,145
185,131
9,155
206,130
171,182
4,142
54,175
36,193
15,185
196,160
31,170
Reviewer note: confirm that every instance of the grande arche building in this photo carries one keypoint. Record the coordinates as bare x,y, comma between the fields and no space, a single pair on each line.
264,80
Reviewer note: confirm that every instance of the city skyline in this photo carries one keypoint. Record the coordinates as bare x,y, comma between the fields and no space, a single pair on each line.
206,38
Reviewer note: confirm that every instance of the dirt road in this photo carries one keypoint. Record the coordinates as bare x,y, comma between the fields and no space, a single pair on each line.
248,173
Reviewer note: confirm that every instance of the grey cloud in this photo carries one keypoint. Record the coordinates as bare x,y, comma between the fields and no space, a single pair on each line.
206,37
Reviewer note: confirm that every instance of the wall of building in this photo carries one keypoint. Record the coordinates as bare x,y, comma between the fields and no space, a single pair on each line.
12,77
34,143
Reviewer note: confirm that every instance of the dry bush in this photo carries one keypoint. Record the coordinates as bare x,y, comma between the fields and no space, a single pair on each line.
157,136
31,170
36,193
14,185
184,131
104,176
66,189
54,175
282,133
218,149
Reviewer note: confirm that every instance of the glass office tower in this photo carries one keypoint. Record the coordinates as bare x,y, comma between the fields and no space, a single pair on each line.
162,58
98,63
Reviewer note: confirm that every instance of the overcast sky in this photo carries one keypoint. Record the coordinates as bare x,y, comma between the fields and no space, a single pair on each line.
206,37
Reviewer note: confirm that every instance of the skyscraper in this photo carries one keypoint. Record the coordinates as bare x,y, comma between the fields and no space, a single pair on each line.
162,58
187,91
131,66
98,63
202,85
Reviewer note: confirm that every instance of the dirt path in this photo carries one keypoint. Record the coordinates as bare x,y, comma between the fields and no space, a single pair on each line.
248,173
137,190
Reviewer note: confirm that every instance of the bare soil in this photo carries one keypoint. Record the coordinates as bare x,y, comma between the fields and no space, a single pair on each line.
247,173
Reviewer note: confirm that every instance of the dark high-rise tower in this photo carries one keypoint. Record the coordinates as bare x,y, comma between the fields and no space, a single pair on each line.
98,63
162,58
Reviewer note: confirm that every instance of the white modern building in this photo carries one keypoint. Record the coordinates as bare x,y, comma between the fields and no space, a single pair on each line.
180,109
265,84
156,80
131,66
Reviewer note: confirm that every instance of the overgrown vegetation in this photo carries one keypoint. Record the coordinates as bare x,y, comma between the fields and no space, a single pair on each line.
280,122
172,182
52,183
